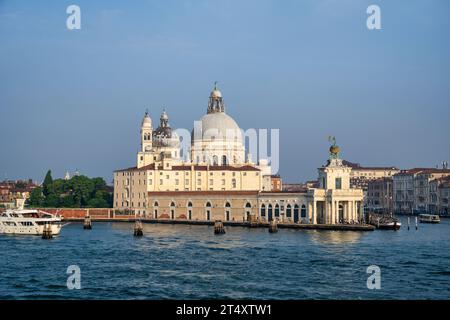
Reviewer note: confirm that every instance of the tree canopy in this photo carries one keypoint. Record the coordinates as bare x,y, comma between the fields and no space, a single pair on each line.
77,192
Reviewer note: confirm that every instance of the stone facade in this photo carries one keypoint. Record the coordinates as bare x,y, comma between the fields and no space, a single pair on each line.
219,184
380,195
414,191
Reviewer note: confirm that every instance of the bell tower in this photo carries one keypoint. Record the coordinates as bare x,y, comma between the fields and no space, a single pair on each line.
146,133
144,155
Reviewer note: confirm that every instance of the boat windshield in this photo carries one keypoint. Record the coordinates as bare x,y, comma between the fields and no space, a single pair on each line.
31,215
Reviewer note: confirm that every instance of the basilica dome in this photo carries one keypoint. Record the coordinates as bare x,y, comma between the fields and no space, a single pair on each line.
216,137
219,126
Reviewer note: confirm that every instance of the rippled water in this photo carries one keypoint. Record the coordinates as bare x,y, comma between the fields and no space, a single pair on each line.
189,262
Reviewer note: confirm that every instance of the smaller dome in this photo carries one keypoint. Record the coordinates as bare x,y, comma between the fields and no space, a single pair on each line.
216,94
164,116
164,132
147,121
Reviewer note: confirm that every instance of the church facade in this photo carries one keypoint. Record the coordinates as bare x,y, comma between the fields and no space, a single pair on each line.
218,181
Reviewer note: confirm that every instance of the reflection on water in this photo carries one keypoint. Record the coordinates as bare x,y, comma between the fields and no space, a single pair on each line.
335,237
190,262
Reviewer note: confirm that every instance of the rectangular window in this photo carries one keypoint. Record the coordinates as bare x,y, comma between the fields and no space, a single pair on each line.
186,181
211,182
338,183
177,181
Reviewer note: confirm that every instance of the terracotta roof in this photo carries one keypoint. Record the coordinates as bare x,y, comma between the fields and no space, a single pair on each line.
149,167
219,168
421,170
196,168
302,191
357,166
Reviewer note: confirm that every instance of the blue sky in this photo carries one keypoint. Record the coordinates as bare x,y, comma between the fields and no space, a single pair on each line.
74,99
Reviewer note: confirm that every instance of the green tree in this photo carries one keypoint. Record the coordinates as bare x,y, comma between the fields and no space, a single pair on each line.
51,201
67,201
82,189
97,203
36,197
47,186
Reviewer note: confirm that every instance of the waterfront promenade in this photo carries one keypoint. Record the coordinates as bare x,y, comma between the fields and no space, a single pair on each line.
111,215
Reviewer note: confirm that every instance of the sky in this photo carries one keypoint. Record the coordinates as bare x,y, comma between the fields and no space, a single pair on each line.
74,99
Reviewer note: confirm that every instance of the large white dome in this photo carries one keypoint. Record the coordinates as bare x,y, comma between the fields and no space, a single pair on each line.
216,137
218,126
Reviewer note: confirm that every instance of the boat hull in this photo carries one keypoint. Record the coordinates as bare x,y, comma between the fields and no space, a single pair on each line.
29,230
389,226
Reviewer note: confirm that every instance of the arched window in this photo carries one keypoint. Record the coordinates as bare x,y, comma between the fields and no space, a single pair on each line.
172,204
227,211
189,210
248,205
224,160
156,204
208,210
303,212
296,213
215,160
277,210
288,211
263,210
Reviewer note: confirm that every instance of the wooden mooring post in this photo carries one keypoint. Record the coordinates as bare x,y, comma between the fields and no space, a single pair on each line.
47,233
87,224
218,227
138,229
273,227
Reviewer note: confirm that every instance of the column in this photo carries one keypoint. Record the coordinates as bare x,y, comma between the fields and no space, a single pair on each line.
352,206
310,212
362,209
330,215
315,212
338,203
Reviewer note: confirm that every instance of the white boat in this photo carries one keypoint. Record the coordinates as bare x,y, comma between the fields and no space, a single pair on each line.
30,222
429,218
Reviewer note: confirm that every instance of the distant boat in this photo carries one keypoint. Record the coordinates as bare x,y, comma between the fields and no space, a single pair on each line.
390,225
31,222
384,222
429,218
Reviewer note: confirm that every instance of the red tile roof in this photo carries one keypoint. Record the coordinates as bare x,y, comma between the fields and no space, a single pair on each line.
196,168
